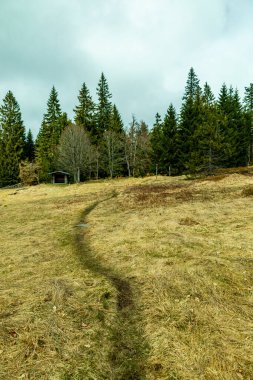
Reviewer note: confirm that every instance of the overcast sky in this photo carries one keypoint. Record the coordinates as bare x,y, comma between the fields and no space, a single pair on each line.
144,47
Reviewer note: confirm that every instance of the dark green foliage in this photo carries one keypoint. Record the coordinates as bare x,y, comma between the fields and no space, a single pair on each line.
143,150
156,144
248,104
209,142
233,127
190,115
206,135
112,145
29,146
116,123
85,111
104,107
170,143
54,122
12,140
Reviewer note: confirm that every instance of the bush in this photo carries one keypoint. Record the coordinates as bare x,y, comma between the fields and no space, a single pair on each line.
29,173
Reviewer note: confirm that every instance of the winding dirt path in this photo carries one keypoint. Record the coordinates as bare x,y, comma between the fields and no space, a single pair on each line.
127,356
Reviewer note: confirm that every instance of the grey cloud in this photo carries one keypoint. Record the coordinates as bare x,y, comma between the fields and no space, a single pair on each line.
144,47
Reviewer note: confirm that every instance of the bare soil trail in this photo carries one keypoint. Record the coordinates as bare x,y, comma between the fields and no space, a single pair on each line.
128,346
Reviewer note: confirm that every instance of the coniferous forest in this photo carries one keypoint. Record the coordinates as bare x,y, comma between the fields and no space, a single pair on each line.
208,133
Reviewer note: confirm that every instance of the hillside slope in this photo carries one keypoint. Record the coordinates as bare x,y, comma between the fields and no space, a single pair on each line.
128,279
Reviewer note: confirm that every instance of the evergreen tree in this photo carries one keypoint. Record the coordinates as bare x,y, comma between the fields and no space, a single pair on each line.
116,123
208,138
170,146
189,117
233,127
12,140
112,145
53,123
208,96
242,134
104,107
156,144
84,111
29,146
248,104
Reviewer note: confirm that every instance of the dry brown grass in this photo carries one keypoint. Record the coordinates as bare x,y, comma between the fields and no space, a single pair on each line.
185,247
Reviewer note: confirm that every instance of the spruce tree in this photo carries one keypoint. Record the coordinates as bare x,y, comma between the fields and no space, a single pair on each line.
170,143
84,111
156,144
242,135
29,146
248,114
189,117
104,107
116,123
208,96
12,140
112,145
208,152
53,123
233,127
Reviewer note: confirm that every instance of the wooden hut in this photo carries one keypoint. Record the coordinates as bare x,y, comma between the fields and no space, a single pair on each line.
60,177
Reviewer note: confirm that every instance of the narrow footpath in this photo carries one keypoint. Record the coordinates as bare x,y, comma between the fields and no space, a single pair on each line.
127,356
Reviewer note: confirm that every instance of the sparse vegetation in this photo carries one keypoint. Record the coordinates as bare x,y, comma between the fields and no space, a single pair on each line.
154,283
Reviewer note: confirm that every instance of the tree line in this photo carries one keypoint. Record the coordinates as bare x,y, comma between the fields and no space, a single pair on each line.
206,134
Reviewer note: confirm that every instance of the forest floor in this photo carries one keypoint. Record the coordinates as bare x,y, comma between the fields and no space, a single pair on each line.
128,279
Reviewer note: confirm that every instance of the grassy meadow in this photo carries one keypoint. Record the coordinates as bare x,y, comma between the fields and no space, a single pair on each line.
128,279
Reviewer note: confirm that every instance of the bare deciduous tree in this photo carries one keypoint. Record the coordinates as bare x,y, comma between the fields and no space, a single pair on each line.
137,148
113,152
75,152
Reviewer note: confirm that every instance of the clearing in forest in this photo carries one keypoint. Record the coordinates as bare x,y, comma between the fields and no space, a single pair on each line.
128,279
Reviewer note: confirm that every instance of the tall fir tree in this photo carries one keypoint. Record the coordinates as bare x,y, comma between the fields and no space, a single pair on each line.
104,107
12,140
170,143
156,145
189,117
208,151
29,146
248,113
242,135
116,123
233,127
53,123
85,111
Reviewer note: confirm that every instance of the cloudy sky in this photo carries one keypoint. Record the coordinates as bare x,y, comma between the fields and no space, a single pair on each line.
144,47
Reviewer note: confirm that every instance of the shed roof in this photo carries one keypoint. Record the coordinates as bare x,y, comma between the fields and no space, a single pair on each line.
59,172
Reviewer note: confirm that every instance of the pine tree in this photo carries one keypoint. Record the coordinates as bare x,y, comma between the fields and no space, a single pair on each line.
84,111
170,143
29,146
104,107
12,140
53,123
